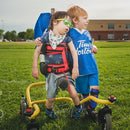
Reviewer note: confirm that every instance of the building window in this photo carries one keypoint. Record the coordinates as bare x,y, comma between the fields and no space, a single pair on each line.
119,26
127,26
110,26
99,37
101,26
125,36
111,36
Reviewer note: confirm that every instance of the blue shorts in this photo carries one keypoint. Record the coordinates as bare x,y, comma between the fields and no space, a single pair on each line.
83,83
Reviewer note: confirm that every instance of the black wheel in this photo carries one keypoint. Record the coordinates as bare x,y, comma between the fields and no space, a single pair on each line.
104,118
33,125
106,122
107,125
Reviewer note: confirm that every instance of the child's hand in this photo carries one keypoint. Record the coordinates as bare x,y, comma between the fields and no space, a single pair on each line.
35,73
94,49
38,41
75,72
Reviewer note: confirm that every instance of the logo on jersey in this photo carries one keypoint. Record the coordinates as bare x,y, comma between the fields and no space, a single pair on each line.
83,47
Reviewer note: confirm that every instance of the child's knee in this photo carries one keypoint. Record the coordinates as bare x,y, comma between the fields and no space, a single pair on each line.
94,92
63,83
94,87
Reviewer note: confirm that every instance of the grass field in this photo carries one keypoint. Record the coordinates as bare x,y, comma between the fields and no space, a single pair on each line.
113,61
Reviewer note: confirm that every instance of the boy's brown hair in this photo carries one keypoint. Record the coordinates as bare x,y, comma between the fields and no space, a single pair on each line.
57,15
76,11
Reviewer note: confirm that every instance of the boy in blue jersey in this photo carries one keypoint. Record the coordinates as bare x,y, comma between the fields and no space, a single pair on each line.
88,80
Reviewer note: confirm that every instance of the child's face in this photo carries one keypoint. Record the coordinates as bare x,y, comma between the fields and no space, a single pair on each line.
83,22
63,25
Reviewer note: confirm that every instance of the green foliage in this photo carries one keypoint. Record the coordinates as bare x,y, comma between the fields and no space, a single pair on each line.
29,34
13,36
113,61
10,35
21,35
1,32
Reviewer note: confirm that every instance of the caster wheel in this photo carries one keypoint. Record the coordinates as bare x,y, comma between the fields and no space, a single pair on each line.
107,125
104,119
33,125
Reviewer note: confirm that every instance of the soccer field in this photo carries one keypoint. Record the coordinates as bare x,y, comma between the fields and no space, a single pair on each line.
113,59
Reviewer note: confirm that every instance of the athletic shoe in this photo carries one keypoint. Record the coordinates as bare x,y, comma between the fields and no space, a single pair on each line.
51,114
76,112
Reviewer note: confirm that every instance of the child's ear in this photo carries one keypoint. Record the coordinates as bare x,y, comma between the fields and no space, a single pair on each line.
55,22
75,20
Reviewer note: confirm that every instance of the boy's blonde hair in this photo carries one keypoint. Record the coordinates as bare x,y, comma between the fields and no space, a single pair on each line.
75,12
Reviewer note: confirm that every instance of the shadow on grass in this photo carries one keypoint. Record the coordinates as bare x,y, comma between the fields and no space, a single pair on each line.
63,122
68,124
14,123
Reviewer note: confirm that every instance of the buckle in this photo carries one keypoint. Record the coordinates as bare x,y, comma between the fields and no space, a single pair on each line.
53,70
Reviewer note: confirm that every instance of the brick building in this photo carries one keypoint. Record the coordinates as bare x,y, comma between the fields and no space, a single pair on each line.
109,29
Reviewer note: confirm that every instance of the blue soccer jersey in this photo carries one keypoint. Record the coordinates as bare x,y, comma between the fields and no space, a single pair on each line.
82,42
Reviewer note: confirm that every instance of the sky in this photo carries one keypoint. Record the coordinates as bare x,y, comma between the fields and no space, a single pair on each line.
20,15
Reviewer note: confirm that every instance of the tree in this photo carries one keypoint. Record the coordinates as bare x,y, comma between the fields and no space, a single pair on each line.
7,35
29,34
1,32
13,35
22,35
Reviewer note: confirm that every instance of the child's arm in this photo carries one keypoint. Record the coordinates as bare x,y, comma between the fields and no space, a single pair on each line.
75,71
35,71
38,41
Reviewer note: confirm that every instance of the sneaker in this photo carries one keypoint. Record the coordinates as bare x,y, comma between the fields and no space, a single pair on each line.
51,114
76,112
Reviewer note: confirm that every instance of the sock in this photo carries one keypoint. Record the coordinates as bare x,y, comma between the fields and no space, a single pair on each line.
49,109
77,106
87,104
94,92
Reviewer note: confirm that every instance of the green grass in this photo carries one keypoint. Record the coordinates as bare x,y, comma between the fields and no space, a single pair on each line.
113,61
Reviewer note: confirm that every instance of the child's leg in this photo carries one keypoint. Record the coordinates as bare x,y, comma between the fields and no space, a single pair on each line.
94,92
50,102
78,108
91,105
94,89
68,84
88,102
49,108
73,95
82,87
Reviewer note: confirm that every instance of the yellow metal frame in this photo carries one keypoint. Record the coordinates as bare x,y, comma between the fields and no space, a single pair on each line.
37,110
